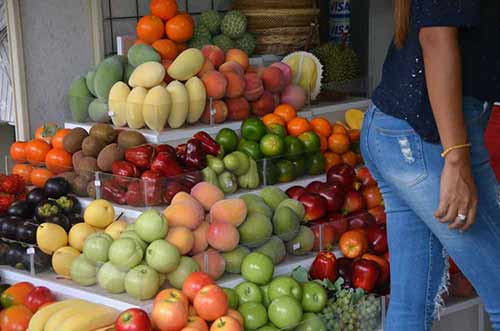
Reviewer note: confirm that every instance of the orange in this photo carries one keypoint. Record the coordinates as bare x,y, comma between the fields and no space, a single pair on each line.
298,126
164,9
180,28
350,158
272,119
39,176
339,128
189,17
57,140
23,170
339,143
286,112
150,29
181,47
166,48
354,135
323,143
321,126
332,159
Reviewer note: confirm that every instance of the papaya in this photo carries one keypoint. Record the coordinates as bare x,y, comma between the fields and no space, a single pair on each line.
140,53
156,108
147,75
197,99
89,80
117,103
180,104
79,99
135,101
107,74
98,111
187,64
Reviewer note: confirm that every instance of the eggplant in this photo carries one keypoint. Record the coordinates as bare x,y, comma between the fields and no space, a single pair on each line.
59,219
69,204
15,256
42,261
45,209
75,218
36,195
56,187
23,209
8,227
26,232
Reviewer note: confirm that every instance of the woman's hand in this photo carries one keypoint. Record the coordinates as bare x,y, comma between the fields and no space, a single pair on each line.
458,191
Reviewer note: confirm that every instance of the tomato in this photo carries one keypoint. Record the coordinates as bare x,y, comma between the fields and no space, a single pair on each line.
197,323
37,297
226,323
195,282
39,176
18,151
16,294
57,140
173,293
23,170
15,318
133,319
36,150
58,160
211,302
169,314
46,132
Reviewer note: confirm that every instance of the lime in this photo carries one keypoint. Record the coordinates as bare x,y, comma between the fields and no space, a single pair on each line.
228,139
300,167
250,148
311,142
272,145
253,129
315,164
286,171
277,129
268,171
294,148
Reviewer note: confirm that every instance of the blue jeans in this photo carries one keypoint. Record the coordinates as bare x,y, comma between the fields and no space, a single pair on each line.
408,171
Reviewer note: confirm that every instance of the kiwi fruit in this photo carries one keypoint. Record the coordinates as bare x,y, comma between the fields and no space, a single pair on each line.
92,146
129,139
79,186
108,155
69,176
87,167
72,142
104,132
75,159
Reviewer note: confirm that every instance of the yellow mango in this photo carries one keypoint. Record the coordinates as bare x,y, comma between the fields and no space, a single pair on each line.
147,75
117,102
197,99
135,101
156,108
180,104
186,65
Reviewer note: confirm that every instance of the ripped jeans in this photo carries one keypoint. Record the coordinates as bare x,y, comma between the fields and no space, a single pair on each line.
408,171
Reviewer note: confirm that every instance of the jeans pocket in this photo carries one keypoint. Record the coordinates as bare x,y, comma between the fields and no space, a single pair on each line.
401,156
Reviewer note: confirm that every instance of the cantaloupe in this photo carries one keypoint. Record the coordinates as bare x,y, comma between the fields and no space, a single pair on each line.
135,101
186,65
180,104
197,99
156,108
117,103
107,74
147,75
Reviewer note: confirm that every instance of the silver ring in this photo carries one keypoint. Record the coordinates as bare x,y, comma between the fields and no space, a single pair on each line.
462,218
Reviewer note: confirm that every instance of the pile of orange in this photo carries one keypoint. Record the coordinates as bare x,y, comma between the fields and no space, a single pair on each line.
167,30
41,158
336,139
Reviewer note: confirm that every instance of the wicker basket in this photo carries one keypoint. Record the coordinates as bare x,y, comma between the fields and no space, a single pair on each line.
276,18
273,4
281,41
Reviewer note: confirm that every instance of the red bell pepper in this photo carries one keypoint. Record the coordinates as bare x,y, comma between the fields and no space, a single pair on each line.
165,148
209,145
324,266
196,158
166,166
111,190
180,152
140,156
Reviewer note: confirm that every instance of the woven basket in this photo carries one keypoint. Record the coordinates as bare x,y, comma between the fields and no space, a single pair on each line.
273,4
281,41
276,18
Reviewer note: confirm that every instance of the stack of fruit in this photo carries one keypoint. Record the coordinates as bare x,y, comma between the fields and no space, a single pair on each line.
227,32
12,189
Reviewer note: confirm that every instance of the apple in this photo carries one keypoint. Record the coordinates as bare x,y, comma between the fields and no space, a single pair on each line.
284,285
133,319
248,292
314,204
186,266
264,289
339,222
343,174
171,189
377,239
285,312
353,202
384,268
372,196
151,226
99,213
254,314
257,268
316,186
344,269
314,298
232,296
211,302
335,197
379,215
364,176
360,219
295,192
195,282
169,314
311,322
353,244
328,233
365,274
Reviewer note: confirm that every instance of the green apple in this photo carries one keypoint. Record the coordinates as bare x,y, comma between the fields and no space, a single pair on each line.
151,226
285,312
265,295
284,285
311,322
162,256
248,292
234,259
234,300
187,265
314,298
269,327
254,314
257,268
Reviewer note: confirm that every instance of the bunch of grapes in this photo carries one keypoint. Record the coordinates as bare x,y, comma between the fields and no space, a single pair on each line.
369,308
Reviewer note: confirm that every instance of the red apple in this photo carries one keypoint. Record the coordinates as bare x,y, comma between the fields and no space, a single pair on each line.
353,202
295,192
384,268
171,189
316,186
133,319
339,222
334,196
379,214
314,204
365,274
343,174
372,196
344,269
360,219
377,239
328,232
364,176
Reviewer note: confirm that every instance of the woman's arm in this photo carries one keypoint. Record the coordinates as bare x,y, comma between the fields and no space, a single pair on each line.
444,84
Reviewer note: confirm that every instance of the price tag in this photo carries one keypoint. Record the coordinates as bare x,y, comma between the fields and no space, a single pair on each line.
30,251
296,246
111,114
97,183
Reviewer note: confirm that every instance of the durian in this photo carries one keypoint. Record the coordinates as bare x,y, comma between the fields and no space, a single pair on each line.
307,72
340,62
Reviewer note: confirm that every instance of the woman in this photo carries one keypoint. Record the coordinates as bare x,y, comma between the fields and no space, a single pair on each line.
423,142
